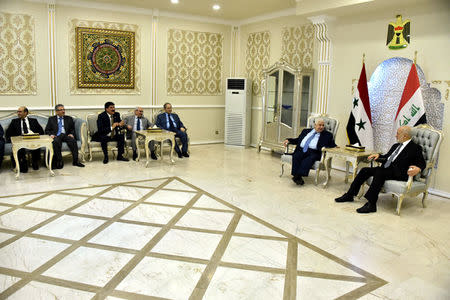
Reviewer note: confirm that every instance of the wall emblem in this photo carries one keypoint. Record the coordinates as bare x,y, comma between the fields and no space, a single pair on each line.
398,34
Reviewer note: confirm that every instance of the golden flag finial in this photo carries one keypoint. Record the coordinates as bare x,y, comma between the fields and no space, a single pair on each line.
415,57
364,58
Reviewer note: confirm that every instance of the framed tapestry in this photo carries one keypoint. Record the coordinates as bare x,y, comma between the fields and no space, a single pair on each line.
105,58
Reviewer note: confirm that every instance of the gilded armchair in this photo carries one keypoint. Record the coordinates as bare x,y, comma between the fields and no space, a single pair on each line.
430,140
331,125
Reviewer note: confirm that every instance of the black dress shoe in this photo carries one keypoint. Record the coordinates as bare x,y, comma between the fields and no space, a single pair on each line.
134,155
105,160
153,155
367,208
299,181
78,164
180,155
121,158
344,198
185,154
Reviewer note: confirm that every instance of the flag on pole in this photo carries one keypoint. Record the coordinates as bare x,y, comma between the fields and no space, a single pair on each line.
359,125
411,110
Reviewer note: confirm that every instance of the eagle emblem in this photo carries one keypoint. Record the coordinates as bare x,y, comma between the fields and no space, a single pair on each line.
398,34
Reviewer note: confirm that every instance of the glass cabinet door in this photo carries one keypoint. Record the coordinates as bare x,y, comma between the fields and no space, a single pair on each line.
305,96
272,97
287,105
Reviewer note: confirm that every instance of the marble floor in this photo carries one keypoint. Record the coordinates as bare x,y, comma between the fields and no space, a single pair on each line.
219,225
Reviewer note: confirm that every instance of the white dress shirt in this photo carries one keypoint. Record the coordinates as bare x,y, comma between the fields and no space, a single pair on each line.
314,141
28,125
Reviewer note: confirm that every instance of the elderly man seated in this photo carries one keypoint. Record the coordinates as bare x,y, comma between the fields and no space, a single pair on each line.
138,122
309,149
404,159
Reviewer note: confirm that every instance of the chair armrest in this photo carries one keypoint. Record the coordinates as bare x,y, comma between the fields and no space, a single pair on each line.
286,149
409,183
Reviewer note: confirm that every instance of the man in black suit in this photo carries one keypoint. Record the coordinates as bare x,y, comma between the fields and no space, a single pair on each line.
61,128
23,125
309,149
404,159
2,145
169,121
109,127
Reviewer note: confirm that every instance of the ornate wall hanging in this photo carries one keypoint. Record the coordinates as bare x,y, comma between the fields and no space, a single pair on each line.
17,55
103,77
105,58
194,63
298,45
398,34
257,58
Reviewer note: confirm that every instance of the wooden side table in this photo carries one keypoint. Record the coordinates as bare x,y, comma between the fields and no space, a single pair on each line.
158,136
18,142
350,157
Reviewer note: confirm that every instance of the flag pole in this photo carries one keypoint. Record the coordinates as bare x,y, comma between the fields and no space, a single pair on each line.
364,58
415,57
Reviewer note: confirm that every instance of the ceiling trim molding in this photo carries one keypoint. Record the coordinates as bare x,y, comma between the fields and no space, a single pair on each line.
169,14
273,15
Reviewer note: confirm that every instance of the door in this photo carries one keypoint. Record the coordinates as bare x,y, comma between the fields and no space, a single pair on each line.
271,131
288,107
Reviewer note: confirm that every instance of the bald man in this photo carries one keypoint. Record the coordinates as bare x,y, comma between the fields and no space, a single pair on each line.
404,159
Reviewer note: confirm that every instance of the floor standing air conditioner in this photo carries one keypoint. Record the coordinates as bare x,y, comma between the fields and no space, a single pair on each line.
238,103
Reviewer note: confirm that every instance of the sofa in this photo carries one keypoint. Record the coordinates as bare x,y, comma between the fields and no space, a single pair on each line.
80,132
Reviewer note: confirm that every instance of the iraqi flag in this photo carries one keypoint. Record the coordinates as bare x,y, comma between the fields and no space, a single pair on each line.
411,110
359,126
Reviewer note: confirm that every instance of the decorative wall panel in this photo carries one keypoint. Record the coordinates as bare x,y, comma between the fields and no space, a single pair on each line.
105,58
103,80
17,55
194,62
257,58
298,45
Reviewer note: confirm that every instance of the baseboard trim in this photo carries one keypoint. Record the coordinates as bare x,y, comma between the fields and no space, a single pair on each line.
207,142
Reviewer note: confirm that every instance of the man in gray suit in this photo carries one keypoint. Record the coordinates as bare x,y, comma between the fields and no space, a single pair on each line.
138,122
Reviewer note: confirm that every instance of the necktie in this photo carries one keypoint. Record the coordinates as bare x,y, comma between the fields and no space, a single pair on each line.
112,121
172,125
25,127
308,141
59,126
138,125
391,157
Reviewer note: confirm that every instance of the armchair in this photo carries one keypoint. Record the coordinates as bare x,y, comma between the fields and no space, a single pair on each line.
332,126
93,146
430,140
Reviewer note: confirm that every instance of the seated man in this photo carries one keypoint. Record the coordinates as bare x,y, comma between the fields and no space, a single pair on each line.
61,128
108,129
309,149
2,145
402,160
138,122
23,125
169,121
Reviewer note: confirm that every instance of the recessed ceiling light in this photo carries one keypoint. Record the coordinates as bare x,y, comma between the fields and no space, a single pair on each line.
216,6
174,1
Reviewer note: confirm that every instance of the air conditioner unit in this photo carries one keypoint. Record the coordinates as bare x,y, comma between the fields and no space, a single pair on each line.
238,103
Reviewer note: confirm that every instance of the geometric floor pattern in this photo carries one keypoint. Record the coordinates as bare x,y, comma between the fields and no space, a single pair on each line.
159,239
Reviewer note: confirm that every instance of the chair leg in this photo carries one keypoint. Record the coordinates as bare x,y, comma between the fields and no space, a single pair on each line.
90,154
282,170
316,178
424,197
399,203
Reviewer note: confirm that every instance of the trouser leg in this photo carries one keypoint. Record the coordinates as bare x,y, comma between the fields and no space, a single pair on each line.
72,144
120,138
184,140
2,151
363,175
57,145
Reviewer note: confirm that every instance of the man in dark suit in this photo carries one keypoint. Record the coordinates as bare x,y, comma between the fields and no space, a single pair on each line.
109,127
2,145
23,125
309,149
404,159
169,121
61,128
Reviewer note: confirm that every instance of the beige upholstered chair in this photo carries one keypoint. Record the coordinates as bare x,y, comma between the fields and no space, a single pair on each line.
93,146
332,126
430,140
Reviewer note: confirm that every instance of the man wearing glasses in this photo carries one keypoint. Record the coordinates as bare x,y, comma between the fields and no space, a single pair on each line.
24,125
61,128
138,122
